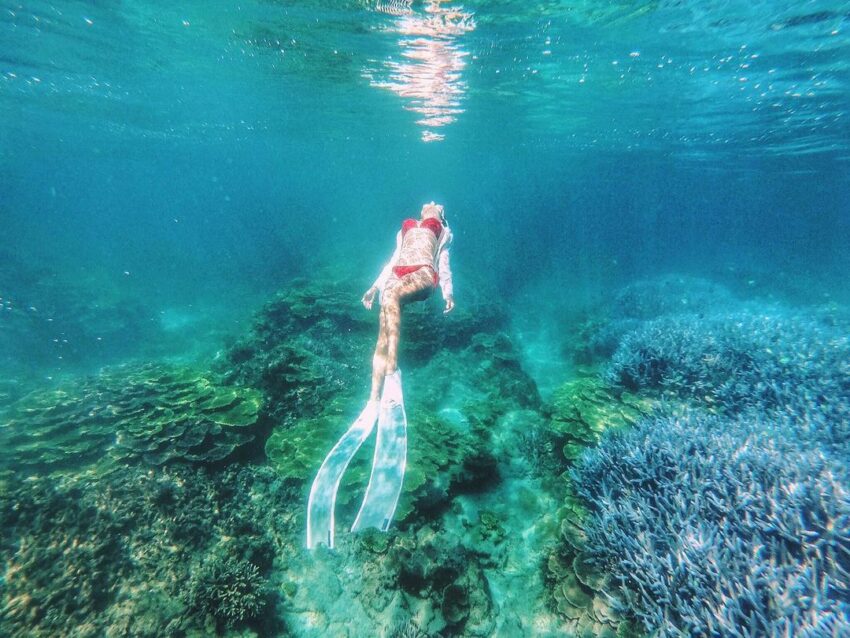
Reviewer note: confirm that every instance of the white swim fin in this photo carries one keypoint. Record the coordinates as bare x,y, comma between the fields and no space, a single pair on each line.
320,506
384,489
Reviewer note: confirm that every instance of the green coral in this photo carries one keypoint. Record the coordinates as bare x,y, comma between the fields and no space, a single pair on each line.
578,586
297,451
155,412
490,528
437,453
112,554
583,408
308,350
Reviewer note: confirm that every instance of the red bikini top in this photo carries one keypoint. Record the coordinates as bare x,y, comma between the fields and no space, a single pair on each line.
432,223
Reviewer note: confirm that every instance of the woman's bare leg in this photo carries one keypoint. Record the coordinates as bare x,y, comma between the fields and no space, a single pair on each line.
396,291
379,360
408,286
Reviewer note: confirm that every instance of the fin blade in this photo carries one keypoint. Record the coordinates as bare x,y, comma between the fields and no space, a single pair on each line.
390,460
320,505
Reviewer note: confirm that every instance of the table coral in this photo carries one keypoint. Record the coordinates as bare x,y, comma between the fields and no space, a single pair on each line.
155,412
585,407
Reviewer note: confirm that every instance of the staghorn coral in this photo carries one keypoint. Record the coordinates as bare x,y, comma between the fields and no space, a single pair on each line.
776,360
641,301
155,412
231,590
714,526
406,629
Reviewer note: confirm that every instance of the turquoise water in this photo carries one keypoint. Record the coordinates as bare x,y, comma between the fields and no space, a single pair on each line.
650,219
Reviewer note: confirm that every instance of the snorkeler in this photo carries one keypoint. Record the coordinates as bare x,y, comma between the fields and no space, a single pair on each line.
418,265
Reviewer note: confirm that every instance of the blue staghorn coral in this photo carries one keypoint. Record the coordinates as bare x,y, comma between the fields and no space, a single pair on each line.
712,526
639,302
767,361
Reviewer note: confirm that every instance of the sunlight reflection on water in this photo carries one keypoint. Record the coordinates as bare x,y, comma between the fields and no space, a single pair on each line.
429,74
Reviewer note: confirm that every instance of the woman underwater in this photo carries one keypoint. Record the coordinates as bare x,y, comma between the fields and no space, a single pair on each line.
419,264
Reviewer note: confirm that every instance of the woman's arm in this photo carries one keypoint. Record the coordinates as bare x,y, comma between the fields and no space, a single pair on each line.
445,272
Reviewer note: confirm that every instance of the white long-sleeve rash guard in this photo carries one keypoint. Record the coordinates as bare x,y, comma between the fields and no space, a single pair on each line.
441,263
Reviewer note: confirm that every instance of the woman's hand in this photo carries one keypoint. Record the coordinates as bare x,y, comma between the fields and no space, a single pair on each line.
368,298
450,304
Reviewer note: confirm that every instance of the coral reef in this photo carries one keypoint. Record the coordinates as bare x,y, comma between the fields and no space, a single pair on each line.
310,348
102,497
731,520
638,302
155,412
464,372
406,629
776,360
578,587
231,590
307,350
448,576
708,525
114,552
585,407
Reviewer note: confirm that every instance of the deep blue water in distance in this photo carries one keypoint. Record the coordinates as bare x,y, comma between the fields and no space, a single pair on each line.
166,168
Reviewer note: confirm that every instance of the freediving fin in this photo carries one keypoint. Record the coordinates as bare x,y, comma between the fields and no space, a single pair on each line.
320,506
384,489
